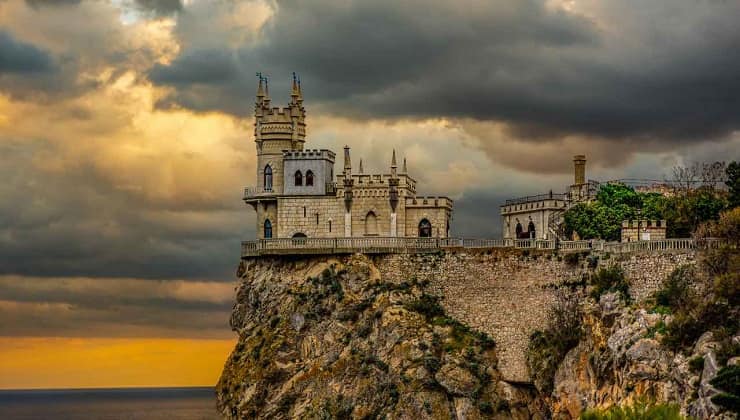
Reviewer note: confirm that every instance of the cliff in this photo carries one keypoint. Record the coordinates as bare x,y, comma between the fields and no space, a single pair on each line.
323,337
446,335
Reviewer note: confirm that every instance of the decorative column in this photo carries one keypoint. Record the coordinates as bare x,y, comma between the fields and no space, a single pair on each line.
393,195
348,182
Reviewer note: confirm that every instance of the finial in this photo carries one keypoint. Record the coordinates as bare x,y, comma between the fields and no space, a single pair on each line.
361,171
393,159
260,89
294,91
404,165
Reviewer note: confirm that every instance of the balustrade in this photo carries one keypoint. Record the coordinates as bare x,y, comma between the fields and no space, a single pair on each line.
377,244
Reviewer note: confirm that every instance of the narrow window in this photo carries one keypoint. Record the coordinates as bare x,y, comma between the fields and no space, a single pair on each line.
268,178
304,211
268,229
309,178
317,218
298,178
330,226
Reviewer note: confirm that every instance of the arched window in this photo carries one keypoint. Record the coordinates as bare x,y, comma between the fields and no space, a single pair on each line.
299,235
268,178
371,224
298,178
425,229
519,230
309,178
268,229
530,230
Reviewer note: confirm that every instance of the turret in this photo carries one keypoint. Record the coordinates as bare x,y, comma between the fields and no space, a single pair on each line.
393,184
579,164
348,182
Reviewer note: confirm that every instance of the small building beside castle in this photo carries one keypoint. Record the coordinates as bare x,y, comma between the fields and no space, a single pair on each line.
540,216
643,230
297,193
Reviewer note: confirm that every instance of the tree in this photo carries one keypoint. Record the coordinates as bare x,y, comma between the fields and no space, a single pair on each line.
733,183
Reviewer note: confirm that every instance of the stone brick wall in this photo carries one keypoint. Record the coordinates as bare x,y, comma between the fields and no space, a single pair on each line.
508,293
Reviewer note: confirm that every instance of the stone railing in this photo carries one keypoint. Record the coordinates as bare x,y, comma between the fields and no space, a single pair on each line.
381,245
250,192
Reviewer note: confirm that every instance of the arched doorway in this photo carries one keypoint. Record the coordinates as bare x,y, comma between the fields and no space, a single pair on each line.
268,178
300,235
371,224
298,178
425,229
519,230
267,229
531,231
299,238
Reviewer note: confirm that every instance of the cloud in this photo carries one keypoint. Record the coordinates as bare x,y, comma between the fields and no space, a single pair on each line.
51,3
113,307
20,57
160,7
542,70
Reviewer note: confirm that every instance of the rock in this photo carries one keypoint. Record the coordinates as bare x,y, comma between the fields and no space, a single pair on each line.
705,343
297,321
734,361
645,349
456,380
465,409
610,304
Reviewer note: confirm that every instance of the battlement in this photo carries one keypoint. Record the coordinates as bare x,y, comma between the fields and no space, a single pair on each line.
307,154
430,201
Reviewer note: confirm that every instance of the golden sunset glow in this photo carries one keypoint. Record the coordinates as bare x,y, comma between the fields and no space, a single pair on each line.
40,363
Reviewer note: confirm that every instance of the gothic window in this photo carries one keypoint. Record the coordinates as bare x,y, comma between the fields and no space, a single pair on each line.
268,178
519,230
425,229
298,178
530,230
371,224
309,178
268,229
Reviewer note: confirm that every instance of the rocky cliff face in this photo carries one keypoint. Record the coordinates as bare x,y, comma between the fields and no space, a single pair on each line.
620,360
350,337
324,337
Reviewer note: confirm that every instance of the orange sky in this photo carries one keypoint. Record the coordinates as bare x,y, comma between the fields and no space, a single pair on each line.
33,363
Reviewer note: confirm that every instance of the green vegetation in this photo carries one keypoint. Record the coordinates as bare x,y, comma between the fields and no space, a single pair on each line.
728,381
687,209
641,410
713,306
548,348
610,279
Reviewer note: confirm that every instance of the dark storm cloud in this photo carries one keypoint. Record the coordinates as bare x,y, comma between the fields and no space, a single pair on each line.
669,71
160,7
82,223
53,3
19,57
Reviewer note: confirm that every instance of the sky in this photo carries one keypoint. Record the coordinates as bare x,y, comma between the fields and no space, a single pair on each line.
126,141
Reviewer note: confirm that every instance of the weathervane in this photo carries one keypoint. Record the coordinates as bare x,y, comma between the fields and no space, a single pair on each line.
263,78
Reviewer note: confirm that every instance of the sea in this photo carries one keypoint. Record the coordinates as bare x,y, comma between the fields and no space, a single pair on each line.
109,404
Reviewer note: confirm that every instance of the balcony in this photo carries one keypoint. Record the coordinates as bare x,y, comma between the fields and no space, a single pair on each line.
255,192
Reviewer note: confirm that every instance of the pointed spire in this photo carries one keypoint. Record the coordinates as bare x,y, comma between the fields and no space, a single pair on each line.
294,93
361,171
260,88
404,170
393,160
347,162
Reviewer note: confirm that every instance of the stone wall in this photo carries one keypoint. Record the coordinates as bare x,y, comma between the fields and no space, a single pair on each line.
508,293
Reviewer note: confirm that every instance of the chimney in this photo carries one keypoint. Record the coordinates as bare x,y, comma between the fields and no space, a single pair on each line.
579,164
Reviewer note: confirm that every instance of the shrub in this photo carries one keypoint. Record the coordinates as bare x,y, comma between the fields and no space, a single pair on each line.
696,364
548,348
728,381
610,279
677,289
640,410
426,305
727,286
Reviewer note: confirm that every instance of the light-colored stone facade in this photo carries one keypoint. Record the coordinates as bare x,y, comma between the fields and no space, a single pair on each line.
298,194
643,230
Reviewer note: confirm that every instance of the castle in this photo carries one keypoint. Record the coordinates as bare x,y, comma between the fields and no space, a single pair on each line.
296,195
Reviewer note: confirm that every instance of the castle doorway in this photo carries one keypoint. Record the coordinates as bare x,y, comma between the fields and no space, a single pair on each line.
531,231
425,229
519,230
371,224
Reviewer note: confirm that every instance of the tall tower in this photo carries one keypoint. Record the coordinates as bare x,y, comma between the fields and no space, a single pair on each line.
393,194
579,166
276,129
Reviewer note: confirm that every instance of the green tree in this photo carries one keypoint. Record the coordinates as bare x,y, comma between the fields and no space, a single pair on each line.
733,183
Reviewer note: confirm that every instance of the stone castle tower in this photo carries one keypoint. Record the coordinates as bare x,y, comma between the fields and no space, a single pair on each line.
296,194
